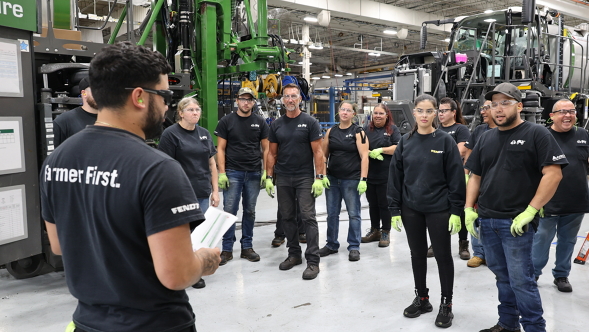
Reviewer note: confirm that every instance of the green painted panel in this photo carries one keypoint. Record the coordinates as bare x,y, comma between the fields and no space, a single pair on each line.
19,14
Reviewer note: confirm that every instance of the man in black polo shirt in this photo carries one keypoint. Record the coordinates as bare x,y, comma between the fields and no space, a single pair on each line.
119,211
295,143
515,170
240,135
71,122
565,211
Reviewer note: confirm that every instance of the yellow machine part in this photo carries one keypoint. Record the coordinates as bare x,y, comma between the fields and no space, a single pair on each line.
254,85
272,85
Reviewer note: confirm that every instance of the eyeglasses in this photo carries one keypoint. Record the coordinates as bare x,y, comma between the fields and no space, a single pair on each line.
290,97
485,108
565,112
428,111
347,110
166,94
197,110
246,100
504,103
444,110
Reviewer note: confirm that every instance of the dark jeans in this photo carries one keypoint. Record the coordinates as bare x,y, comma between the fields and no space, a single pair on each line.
416,223
378,207
188,329
280,223
291,190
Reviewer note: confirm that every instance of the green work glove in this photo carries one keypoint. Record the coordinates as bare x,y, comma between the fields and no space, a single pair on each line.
317,188
376,154
396,223
325,182
361,187
71,327
270,187
454,224
541,212
524,218
263,179
223,181
470,216
466,177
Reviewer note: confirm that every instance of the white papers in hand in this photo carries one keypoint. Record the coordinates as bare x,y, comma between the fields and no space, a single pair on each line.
210,232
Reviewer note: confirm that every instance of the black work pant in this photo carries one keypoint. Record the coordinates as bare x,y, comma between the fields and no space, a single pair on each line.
463,234
416,223
188,329
378,206
280,223
291,190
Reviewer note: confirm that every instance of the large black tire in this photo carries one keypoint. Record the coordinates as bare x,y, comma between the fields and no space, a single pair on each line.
27,267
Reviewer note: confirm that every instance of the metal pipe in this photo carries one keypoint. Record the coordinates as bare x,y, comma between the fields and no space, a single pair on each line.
262,19
113,35
130,26
152,19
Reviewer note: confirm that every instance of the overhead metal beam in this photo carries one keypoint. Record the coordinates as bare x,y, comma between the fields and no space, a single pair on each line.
568,8
360,50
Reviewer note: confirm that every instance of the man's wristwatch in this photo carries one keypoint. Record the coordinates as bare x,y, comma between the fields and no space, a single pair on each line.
269,177
363,179
319,176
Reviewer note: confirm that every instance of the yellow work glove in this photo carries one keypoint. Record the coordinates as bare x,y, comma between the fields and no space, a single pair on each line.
270,187
325,182
317,188
376,154
361,187
522,219
466,177
396,223
263,179
223,181
470,216
454,224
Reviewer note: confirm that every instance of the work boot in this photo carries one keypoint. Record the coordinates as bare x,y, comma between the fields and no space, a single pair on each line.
463,250
419,306
430,252
290,262
372,235
385,238
303,238
200,284
499,328
250,255
563,284
445,315
278,240
354,255
226,256
475,261
311,272
325,251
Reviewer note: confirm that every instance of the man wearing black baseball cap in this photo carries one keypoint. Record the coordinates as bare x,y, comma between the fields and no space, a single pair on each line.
515,170
71,122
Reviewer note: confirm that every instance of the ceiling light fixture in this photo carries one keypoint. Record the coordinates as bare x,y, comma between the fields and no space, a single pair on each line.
325,76
374,54
310,19
300,63
338,75
348,74
315,78
447,40
392,31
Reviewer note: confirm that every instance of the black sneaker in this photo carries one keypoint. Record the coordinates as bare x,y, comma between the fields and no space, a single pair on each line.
250,255
419,306
226,256
325,251
354,255
200,284
430,252
499,328
311,272
563,284
278,241
290,262
445,315
303,238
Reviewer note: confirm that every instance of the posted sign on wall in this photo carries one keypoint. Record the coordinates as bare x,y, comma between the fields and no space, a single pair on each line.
19,14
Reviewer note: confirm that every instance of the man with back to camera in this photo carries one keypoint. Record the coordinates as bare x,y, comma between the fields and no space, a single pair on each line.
240,135
295,144
121,201
522,155
565,211
71,122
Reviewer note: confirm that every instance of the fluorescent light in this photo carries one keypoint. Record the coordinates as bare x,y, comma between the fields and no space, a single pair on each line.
294,41
488,11
348,74
315,78
310,19
447,40
374,54
338,75
390,31
490,20
325,76
300,63
316,46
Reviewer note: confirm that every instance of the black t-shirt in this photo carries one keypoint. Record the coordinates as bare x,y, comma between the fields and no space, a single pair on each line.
378,171
510,165
192,149
476,134
106,192
344,161
572,195
71,122
243,136
426,175
294,137
458,131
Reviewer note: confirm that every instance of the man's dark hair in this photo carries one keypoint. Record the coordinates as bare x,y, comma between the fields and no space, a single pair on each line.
124,65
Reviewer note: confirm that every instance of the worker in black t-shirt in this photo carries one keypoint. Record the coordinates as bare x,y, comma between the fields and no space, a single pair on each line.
346,150
107,197
240,136
383,137
478,253
452,122
295,150
71,122
515,170
565,211
426,192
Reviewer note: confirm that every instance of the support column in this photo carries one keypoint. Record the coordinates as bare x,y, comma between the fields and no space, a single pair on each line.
306,54
208,93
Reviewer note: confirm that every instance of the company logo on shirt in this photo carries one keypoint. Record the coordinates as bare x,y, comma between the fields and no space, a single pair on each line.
255,125
517,142
452,132
91,175
184,208
582,141
386,134
203,138
302,125
555,158
349,135
436,151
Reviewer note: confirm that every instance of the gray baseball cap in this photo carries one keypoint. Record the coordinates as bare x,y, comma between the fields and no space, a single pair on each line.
244,91
507,89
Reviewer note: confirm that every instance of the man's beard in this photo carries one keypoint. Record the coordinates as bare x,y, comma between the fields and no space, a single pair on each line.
154,124
91,102
509,120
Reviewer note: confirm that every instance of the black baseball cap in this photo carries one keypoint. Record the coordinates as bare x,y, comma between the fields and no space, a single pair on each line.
507,89
84,84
